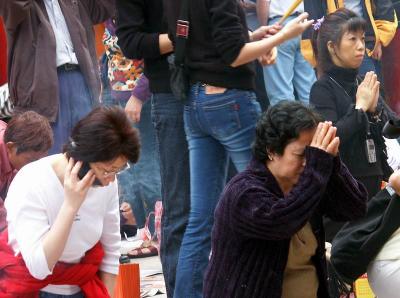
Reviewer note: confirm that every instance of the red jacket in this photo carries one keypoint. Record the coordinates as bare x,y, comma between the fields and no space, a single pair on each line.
3,54
17,282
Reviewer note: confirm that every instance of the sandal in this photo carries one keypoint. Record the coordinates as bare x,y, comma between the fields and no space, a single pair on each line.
143,251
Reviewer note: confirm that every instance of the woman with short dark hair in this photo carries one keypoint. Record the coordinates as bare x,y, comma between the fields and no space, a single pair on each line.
59,224
268,236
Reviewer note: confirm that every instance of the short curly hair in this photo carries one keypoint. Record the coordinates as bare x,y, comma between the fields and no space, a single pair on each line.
281,124
29,131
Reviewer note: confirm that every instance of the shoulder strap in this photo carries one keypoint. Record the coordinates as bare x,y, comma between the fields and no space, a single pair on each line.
182,33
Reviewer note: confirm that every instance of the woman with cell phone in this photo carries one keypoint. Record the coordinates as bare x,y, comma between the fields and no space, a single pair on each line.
63,236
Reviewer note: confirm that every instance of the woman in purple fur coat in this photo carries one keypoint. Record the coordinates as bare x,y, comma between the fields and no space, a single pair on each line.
268,236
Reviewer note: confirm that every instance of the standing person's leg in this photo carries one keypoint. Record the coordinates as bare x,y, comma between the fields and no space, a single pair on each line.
278,77
147,170
208,170
370,64
167,115
304,76
75,102
214,125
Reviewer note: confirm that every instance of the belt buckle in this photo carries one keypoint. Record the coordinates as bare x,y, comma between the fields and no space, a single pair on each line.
69,67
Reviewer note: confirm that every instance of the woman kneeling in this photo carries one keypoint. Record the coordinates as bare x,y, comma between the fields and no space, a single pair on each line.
268,237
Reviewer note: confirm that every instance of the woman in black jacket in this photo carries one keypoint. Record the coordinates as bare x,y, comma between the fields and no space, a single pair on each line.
352,104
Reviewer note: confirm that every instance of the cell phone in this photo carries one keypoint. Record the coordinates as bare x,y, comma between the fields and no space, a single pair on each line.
83,171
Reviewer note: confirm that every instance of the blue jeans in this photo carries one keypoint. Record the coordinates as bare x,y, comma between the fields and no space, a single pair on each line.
167,115
140,185
50,295
290,73
75,102
371,64
217,126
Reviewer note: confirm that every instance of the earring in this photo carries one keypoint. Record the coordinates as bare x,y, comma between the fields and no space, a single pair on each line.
269,157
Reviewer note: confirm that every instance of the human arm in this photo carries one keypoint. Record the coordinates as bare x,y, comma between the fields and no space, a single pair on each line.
111,240
323,99
75,191
259,211
140,95
253,50
133,39
14,12
99,10
109,281
377,53
31,203
345,198
262,9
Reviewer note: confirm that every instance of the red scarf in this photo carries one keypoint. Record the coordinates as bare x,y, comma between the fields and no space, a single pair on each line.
17,282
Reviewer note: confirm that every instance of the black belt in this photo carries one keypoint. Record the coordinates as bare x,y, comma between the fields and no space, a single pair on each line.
68,67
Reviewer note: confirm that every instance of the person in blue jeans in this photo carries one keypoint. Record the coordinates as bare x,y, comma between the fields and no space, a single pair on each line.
291,77
140,185
142,34
219,115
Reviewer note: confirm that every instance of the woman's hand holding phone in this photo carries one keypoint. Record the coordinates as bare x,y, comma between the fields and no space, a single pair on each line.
75,189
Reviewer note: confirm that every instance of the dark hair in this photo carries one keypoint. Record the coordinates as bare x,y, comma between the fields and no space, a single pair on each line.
281,124
103,135
334,26
29,131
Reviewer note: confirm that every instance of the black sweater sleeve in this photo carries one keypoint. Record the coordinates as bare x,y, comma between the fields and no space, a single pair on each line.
133,39
351,203
227,29
323,98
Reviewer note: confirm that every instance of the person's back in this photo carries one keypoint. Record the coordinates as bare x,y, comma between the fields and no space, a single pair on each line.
217,33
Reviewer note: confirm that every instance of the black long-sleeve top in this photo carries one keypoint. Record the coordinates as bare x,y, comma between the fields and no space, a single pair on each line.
218,31
334,97
139,24
254,223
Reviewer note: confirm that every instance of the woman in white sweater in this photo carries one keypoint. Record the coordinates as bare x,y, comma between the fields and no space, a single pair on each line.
61,206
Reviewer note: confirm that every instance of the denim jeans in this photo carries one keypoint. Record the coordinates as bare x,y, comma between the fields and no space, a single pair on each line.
140,185
371,64
75,102
217,126
50,295
167,115
291,72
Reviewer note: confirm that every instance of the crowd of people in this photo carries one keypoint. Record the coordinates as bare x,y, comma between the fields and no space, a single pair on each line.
258,124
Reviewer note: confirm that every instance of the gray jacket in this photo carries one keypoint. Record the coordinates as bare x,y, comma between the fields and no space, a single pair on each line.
32,71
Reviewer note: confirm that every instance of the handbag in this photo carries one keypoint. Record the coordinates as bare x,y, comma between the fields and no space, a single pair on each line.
358,242
179,77
6,106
